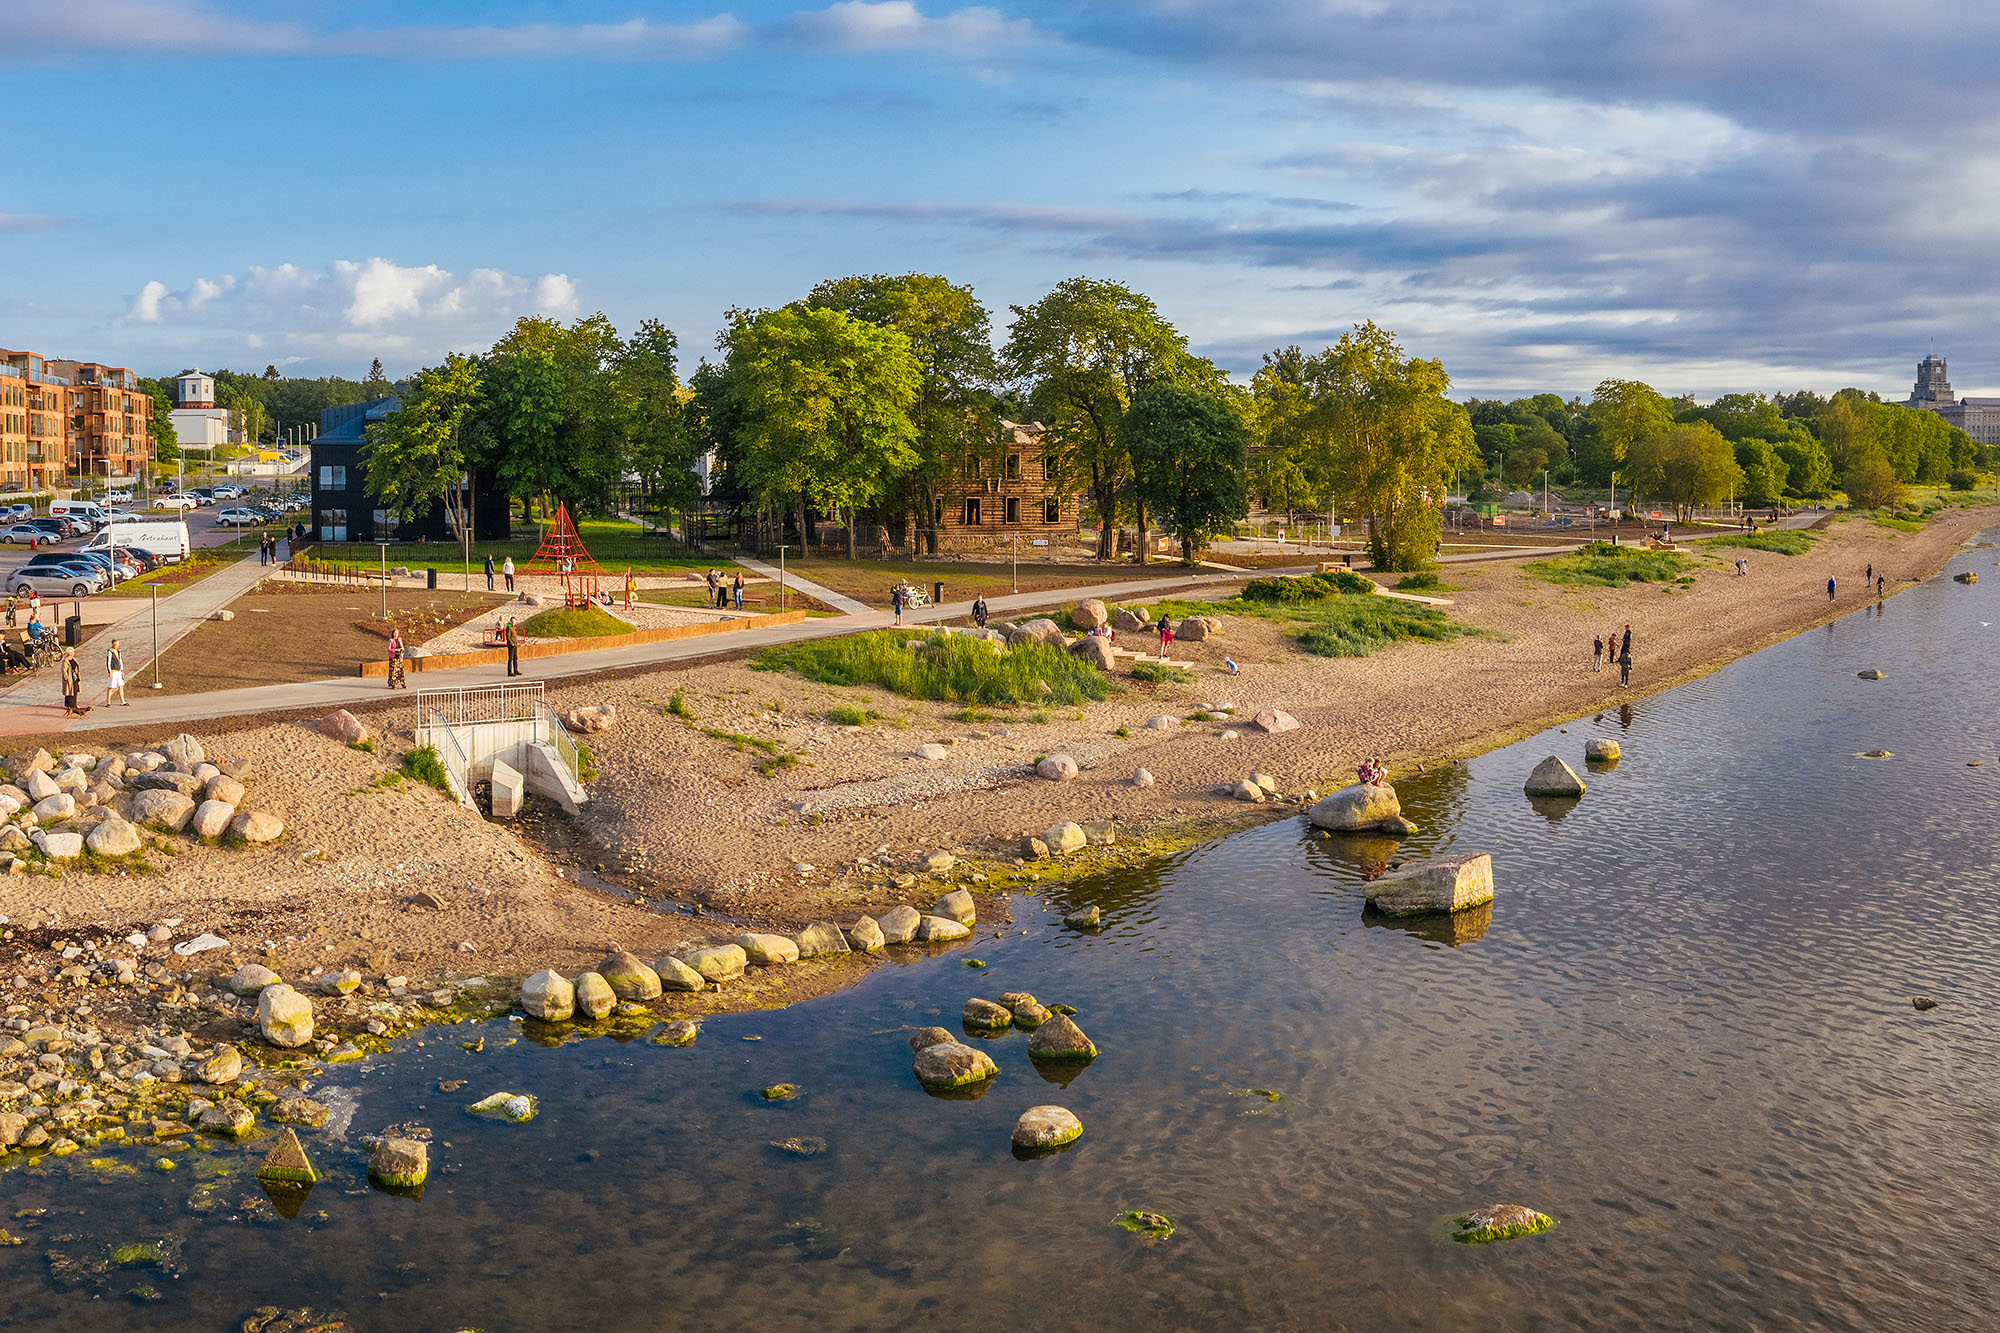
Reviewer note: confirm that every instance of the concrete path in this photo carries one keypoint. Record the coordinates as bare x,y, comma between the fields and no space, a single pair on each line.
327,695
840,602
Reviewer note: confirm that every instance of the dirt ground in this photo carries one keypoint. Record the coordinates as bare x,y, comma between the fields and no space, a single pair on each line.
685,835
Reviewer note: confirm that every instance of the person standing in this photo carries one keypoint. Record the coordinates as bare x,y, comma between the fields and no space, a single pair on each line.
72,681
34,604
114,676
1625,664
1879,584
1829,587
396,659
489,571
507,572
1625,651
13,608
1166,635
736,586
978,612
896,602
513,648
710,576
1597,653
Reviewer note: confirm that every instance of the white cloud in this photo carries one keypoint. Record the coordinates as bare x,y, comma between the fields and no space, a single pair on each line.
898,25
418,312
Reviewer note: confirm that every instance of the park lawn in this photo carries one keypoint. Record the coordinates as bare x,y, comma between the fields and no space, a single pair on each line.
616,546
581,622
288,636
200,563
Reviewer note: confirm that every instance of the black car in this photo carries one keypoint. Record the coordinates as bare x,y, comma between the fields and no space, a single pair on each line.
55,527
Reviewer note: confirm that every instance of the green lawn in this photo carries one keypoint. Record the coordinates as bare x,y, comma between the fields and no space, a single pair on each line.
583,622
1341,625
1608,566
616,546
1788,541
945,668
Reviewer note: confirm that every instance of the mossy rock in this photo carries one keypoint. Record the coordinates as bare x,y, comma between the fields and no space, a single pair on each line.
780,1092
1148,1226
1500,1221
287,1163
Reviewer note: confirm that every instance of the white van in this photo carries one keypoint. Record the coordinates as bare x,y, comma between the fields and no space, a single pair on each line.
167,539
89,511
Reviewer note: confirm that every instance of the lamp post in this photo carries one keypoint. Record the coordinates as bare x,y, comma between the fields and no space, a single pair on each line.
781,576
384,548
156,636
1014,579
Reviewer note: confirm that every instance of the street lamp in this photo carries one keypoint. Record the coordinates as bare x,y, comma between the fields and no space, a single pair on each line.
384,547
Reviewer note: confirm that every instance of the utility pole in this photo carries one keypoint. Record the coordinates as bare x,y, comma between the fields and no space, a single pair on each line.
156,636
384,548
781,576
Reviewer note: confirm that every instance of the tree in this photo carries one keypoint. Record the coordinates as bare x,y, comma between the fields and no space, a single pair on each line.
1283,471
826,403
1390,440
1871,482
658,445
1807,471
1188,447
552,410
1085,349
377,382
950,334
1689,464
425,451
1764,472
1624,412
1524,465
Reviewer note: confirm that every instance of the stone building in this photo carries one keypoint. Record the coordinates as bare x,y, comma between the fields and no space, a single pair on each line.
1010,497
1977,417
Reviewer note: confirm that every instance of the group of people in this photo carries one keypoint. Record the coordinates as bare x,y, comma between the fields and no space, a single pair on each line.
506,572
72,680
1615,648
721,588
1372,773
267,546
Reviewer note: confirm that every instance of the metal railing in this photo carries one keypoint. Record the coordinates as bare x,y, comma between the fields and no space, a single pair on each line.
565,746
482,703
433,730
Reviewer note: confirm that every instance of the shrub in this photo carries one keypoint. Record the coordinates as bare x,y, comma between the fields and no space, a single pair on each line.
366,747
678,706
1356,627
847,715
1310,588
424,765
1611,566
1424,580
1962,479
945,669
1161,673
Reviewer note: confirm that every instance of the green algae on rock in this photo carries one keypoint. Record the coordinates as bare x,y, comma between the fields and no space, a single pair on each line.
949,1064
1500,1221
780,1092
1060,1039
287,1162
399,1163
678,1033
1148,1226
516,1108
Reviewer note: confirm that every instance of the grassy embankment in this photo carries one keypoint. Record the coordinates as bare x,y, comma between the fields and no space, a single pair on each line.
581,622
1786,541
1336,614
1603,565
943,669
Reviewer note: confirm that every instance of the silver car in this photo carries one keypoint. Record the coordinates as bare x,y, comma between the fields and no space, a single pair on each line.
59,580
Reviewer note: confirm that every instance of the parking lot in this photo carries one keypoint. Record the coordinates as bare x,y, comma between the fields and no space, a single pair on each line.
208,525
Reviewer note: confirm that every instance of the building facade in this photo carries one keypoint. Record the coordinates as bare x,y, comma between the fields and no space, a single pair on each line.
1009,496
34,423
345,510
109,418
1977,417
198,423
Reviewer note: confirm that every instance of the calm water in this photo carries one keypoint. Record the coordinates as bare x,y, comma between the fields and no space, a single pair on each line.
1684,1031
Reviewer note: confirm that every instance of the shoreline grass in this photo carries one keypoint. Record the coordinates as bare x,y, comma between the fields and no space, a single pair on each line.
943,669
1788,541
1606,566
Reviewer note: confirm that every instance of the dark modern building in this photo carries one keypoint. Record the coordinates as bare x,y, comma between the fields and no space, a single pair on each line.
345,510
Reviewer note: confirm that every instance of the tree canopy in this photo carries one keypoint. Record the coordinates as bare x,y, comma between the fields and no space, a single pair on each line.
1188,447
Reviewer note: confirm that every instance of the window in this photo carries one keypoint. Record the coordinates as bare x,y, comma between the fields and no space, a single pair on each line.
333,478
333,525
1013,509
384,522
971,512
1051,510
1013,467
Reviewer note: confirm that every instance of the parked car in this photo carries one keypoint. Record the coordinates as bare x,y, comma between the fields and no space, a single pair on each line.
19,533
227,491
204,495
59,530
119,497
16,513
58,580
178,502
115,571
239,518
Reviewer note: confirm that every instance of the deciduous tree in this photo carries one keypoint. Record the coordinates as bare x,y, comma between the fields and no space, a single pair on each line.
1188,449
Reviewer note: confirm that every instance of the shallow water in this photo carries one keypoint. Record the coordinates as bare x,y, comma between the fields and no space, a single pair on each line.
1684,1031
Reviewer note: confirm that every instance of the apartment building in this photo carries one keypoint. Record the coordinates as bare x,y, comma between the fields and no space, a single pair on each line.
35,422
108,416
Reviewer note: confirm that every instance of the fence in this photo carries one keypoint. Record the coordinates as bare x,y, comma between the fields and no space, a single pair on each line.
331,573
434,731
481,703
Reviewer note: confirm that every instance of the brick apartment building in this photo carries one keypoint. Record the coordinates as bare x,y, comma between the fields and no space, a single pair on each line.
59,419
1012,494
34,422
108,416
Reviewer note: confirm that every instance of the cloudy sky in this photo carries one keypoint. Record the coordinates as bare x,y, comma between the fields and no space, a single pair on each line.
1707,194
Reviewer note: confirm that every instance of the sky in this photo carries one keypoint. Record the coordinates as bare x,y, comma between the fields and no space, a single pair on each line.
1709,195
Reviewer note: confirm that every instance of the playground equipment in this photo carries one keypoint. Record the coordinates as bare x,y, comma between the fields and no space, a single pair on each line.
563,554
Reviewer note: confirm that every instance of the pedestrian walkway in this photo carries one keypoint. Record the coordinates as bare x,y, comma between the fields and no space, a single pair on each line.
840,602
35,702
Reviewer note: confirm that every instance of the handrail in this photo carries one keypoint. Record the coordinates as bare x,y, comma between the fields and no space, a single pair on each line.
482,703
457,766
564,744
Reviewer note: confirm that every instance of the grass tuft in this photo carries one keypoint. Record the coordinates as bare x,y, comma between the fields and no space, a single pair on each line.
423,765
1360,626
1160,673
945,669
678,707
1609,566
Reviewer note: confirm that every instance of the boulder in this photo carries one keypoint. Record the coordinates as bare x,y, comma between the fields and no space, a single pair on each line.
13,839
1142,777
144,761
183,751
1441,884
1352,809
1045,1128
937,863
933,751
1062,839
61,846
111,768
399,1163
205,771
344,727
957,905
1034,849
1599,750
629,978
549,996
985,1016
1131,619
72,780
1552,777
114,837
223,1066
59,806
187,784
1500,1221
1057,768
865,935
718,962
1095,651
594,996
939,930
1396,827
1040,631
899,924
257,826
287,1163
344,982
253,979
951,1064
1267,783
1060,1039
40,786
923,1037
821,939
1274,720
1196,628
1088,614
1083,918
603,717
676,975
210,819
1872,673
1246,790
284,1016
229,1118
161,809
767,950
680,1032
222,787
23,762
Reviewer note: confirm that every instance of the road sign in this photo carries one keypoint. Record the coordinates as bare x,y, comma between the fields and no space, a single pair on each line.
1041,541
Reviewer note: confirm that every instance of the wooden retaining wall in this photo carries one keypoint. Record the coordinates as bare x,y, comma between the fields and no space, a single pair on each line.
563,647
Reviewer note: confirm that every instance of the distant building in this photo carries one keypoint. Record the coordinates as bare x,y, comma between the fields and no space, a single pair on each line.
198,423
1977,417
1009,496
109,434
345,510
34,422
59,418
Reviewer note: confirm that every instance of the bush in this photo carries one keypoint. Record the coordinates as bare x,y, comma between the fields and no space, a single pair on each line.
1161,673
1424,580
1611,566
424,765
1357,627
1962,479
945,669
1787,542
1310,588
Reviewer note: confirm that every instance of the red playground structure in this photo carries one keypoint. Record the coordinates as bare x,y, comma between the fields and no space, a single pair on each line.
563,554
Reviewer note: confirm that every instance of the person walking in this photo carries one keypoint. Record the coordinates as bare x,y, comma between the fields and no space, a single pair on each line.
489,571
1868,577
628,587
513,648
1625,664
396,659
1829,587
13,608
736,586
114,676
896,602
72,681
507,572
1597,653
978,612
1166,635
1879,583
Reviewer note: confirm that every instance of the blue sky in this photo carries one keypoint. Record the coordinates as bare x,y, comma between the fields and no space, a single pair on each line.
1706,195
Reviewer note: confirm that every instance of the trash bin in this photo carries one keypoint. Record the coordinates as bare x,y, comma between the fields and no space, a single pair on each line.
73,631
431,578
937,594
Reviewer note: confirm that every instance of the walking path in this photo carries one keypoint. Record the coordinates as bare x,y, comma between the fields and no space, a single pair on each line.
840,602
34,703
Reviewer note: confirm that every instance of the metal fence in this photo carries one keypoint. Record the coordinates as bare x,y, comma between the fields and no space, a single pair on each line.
482,703
565,747
434,731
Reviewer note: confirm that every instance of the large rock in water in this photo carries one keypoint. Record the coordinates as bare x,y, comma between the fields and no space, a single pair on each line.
1357,807
284,1016
985,1015
1060,1039
1599,750
1442,884
899,924
594,996
629,978
1499,1221
820,939
399,1163
1042,1128
548,995
1552,777
1088,614
287,1163
940,929
951,1064
1095,651
957,905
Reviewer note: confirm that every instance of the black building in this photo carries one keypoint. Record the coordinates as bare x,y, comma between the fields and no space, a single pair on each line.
345,510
